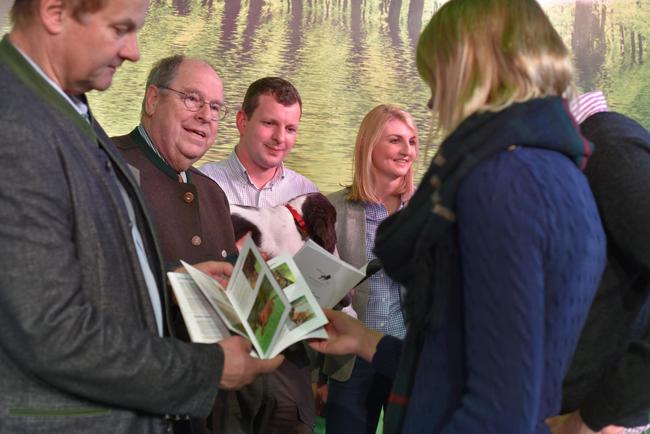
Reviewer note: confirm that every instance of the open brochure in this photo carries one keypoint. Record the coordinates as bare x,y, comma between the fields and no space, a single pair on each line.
272,304
328,277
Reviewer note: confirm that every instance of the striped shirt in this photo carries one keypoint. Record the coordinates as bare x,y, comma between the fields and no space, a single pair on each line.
233,179
384,310
588,104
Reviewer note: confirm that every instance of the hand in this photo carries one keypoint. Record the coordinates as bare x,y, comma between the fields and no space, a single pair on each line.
320,390
572,423
221,271
347,335
239,368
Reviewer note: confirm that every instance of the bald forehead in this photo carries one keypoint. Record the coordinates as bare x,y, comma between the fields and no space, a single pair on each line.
199,76
200,66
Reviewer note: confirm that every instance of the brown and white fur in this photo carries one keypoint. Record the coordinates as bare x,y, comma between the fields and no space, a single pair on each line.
275,231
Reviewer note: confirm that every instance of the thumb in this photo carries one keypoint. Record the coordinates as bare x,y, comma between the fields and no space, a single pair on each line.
245,344
269,365
238,343
319,345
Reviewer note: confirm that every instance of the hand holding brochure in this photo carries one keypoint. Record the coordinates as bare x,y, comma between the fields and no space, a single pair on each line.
272,307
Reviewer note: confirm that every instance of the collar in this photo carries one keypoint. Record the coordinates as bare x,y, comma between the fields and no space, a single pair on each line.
300,222
588,104
237,166
377,210
143,141
28,72
79,103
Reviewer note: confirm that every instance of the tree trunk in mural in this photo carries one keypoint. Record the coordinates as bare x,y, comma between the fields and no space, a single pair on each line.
588,40
394,10
229,24
416,8
182,7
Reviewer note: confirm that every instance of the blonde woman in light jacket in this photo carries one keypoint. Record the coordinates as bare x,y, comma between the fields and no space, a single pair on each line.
385,150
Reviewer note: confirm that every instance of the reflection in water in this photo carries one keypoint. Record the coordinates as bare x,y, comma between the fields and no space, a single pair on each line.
252,23
416,7
346,56
4,13
182,7
229,25
394,10
588,42
295,42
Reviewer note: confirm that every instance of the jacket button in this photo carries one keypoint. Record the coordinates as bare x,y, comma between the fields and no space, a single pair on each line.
188,197
196,240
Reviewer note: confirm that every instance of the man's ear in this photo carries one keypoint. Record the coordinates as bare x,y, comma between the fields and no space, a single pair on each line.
151,97
241,121
53,13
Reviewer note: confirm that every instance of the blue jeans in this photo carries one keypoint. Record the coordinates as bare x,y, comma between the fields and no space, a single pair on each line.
354,406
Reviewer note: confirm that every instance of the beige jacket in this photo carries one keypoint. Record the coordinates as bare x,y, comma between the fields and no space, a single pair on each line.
351,245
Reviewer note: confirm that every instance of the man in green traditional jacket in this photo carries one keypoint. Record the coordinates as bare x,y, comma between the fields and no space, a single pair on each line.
84,342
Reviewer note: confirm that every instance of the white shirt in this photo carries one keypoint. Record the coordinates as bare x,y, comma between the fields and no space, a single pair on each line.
234,180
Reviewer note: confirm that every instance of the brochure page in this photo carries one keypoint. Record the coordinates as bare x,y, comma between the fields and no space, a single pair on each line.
257,298
203,323
216,296
305,315
329,278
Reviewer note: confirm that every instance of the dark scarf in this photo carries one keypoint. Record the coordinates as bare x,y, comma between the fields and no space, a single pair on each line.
418,246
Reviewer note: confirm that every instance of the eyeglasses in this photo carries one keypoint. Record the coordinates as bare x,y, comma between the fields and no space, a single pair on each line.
193,102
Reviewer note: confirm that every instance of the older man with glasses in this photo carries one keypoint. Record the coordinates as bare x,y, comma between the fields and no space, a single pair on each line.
181,110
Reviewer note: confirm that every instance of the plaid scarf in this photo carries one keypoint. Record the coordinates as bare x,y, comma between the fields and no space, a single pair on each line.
418,246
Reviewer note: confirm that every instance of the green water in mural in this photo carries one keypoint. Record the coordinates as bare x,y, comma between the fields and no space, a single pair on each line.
346,56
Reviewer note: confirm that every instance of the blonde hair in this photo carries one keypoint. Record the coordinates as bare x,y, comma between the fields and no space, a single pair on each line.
369,134
484,55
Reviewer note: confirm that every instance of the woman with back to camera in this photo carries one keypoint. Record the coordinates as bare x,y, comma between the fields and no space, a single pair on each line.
501,247
384,152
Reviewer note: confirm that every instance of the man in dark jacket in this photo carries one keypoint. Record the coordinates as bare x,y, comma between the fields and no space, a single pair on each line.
608,382
181,110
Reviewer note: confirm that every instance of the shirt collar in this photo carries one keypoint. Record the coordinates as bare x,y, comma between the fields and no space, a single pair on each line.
377,211
180,176
588,104
236,166
79,104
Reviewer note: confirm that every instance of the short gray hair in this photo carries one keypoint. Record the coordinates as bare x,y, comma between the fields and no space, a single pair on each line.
162,73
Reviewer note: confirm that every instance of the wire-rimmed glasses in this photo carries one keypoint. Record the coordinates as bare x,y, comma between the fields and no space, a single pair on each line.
193,102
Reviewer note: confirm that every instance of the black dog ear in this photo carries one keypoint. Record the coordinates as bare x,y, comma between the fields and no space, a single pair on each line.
320,217
243,226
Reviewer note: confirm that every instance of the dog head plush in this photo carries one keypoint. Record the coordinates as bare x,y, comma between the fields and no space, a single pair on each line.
285,228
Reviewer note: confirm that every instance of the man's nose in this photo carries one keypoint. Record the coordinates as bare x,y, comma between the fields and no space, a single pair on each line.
130,50
205,112
278,134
